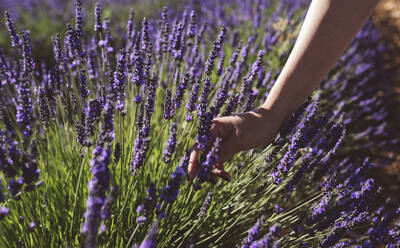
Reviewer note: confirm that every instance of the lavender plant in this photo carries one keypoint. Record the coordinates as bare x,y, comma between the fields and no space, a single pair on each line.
123,111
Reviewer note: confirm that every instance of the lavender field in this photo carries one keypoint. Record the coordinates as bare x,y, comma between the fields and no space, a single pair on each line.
102,103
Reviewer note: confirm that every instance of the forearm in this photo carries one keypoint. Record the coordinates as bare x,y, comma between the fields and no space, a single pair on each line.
328,29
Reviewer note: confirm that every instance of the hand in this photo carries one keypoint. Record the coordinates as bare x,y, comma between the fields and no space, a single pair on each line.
238,133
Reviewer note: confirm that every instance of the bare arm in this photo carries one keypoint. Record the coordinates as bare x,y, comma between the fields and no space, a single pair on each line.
328,29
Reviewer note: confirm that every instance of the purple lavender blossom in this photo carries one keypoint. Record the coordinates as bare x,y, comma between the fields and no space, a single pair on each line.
164,39
14,186
58,51
210,161
232,105
44,112
253,233
78,18
147,207
171,143
130,25
107,127
2,197
191,104
83,90
192,25
141,145
176,47
220,67
203,101
98,27
222,94
117,152
120,80
248,80
98,186
215,51
24,107
27,52
206,205
171,191
150,240
92,113
139,76
4,212
169,112
15,39
268,240
180,90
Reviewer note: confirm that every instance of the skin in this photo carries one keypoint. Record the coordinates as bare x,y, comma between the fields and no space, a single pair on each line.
328,29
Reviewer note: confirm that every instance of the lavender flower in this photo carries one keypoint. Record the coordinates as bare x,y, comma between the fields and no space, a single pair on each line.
164,40
169,112
206,205
268,240
4,212
171,191
171,143
220,66
215,50
149,203
58,51
253,233
98,27
80,132
210,161
78,18
180,91
117,152
93,112
248,80
232,105
44,112
83,90
98,186
2,197
27,52
192,25
234,56
177,42
191,104
14,186
139,76
129,27
120,80
141,145
150,240
222,94
107,127
15,39
24,107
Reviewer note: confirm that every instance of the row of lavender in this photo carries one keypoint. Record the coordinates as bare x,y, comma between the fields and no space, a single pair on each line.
95,144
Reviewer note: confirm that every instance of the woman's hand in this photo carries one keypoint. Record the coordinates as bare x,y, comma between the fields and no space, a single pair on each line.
238,133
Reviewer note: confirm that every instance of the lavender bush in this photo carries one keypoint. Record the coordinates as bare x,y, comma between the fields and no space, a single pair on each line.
95,144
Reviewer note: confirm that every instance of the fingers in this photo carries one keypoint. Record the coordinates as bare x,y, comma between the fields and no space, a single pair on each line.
193,162
222,174
221,130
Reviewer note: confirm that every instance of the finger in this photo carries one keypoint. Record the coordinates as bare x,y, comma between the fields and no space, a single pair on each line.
227,148
222,174
193,162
